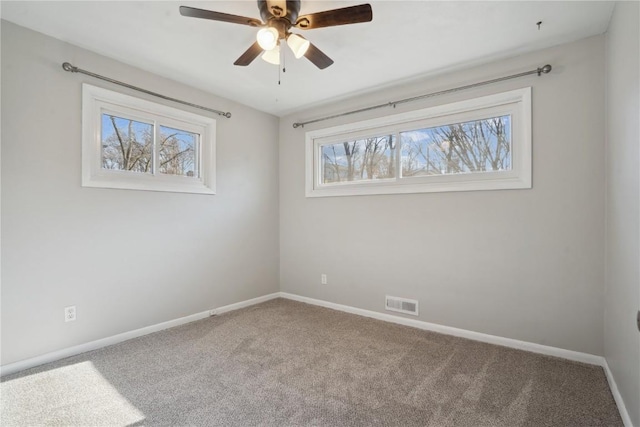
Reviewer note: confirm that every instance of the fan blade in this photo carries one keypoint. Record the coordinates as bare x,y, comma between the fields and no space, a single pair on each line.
277,8
331,18
250,54
318,57
219,16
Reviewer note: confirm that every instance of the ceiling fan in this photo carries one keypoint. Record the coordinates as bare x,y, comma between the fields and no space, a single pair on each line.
278,17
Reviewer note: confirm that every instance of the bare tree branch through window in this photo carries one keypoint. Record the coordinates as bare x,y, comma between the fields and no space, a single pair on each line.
128,145
475,146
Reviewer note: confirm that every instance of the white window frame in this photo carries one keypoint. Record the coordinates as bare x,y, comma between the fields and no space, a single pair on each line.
96,101
516,103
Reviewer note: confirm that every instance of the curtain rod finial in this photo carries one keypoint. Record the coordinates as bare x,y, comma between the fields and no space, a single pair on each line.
68,67
546,69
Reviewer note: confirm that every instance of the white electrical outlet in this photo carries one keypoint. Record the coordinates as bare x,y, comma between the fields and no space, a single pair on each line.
70,313
323,279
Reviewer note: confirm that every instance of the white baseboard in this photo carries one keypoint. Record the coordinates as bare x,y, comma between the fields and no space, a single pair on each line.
94,345
243,304
626,419
463,333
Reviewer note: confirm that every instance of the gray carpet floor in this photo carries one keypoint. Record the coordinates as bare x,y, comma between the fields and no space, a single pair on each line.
285,363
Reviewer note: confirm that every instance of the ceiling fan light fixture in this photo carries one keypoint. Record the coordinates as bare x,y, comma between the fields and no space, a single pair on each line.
298,44
272,56
267,38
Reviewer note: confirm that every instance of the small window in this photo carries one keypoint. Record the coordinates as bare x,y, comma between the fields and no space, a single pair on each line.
479,144
130,143
178,149
365,159
470,147
127,145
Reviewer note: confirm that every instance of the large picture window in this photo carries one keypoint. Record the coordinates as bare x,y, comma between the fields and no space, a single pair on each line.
479,144
130,143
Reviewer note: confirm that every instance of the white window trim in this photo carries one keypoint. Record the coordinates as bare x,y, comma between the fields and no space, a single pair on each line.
517,103
96,100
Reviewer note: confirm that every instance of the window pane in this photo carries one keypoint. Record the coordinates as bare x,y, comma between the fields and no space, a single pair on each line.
177,152
359,160
476,146
126,144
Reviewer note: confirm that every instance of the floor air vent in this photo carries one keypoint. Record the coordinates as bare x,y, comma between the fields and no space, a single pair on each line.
401,305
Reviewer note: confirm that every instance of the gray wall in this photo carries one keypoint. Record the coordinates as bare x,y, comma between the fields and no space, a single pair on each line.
622,293
523,264
126,259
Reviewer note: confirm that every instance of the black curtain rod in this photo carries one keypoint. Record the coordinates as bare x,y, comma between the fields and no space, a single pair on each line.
68,67
539,71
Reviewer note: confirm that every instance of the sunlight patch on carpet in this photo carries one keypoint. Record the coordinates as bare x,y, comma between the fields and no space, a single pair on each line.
70,395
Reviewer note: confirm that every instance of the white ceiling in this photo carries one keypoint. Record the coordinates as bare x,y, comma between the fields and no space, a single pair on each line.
405,40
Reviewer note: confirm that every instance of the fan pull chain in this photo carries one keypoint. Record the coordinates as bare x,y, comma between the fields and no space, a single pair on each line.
284,61
279,66
284,69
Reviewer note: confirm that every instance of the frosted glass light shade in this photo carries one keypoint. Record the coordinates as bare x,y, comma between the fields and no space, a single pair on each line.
267,38
298,45
272,56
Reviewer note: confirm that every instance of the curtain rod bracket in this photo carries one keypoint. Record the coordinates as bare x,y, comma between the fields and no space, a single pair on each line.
72,69
539,71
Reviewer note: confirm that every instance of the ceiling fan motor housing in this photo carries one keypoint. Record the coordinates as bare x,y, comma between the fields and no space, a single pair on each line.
290,15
